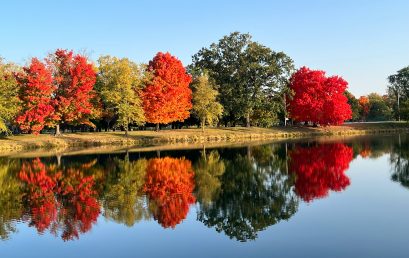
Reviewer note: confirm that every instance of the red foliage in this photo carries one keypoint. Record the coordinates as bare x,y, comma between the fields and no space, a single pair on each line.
59,201
364,106
318,99
74,79
35,93
320,169
168,97
170,184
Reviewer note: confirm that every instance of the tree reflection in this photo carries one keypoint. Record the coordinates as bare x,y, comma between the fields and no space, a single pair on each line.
58,200
255,194
240,191
11,208
123,200
320,168
399,159
169,184
208,170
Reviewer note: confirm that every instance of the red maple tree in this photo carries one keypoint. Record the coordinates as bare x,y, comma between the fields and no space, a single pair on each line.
35,93
168,97
318,99
169,183
320,168
74,79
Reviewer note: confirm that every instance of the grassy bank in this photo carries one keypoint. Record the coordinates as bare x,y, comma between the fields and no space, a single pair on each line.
20,143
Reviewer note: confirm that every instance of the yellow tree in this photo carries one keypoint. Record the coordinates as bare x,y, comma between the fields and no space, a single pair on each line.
205,104
8,95
119,82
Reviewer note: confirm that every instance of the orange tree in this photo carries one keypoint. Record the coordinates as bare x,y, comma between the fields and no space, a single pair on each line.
167,98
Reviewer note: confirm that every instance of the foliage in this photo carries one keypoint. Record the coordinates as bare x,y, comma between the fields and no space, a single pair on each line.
364,107
354,104
378,108
35,93
9,103
318,99
119,83
167,98
247,72
205,105
74,78
398,89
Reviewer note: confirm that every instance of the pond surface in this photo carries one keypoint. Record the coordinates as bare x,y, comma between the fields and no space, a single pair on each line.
309,198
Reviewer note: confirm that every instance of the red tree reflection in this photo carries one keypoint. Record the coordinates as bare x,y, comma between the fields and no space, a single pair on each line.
170,184
59,201
320,169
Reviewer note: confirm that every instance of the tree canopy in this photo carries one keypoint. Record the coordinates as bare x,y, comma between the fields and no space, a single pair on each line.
120,83
205,104
248,74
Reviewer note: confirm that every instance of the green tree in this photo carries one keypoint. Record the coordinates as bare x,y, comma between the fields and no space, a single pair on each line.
378,108
9,102
205,105
247,73
398,89
354,103
119,83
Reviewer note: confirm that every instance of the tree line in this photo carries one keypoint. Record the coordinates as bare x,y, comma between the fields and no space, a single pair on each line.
235,81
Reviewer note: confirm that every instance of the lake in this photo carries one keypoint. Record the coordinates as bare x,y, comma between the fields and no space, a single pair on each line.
324,197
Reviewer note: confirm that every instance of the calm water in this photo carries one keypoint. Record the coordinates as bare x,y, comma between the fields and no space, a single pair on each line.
347,198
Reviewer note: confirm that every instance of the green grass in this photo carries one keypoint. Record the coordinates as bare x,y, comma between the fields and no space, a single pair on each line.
187,136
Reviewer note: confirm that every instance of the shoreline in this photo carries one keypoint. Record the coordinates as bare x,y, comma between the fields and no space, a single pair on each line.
138,139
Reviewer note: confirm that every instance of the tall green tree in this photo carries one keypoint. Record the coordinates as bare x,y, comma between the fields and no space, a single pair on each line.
119,82
247,72
9,102
205,104
399,89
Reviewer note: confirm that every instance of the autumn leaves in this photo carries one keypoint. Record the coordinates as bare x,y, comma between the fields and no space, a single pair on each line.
58,90
67,88
234,82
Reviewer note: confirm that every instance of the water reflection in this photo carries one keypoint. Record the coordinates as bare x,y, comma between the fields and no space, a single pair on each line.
320,168
237,191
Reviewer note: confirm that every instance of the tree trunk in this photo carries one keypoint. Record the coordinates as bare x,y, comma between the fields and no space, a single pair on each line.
157,127
248,120
59,160
57,130
203,125
126,131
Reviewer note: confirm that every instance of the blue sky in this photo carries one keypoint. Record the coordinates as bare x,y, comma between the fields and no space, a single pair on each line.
363,41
